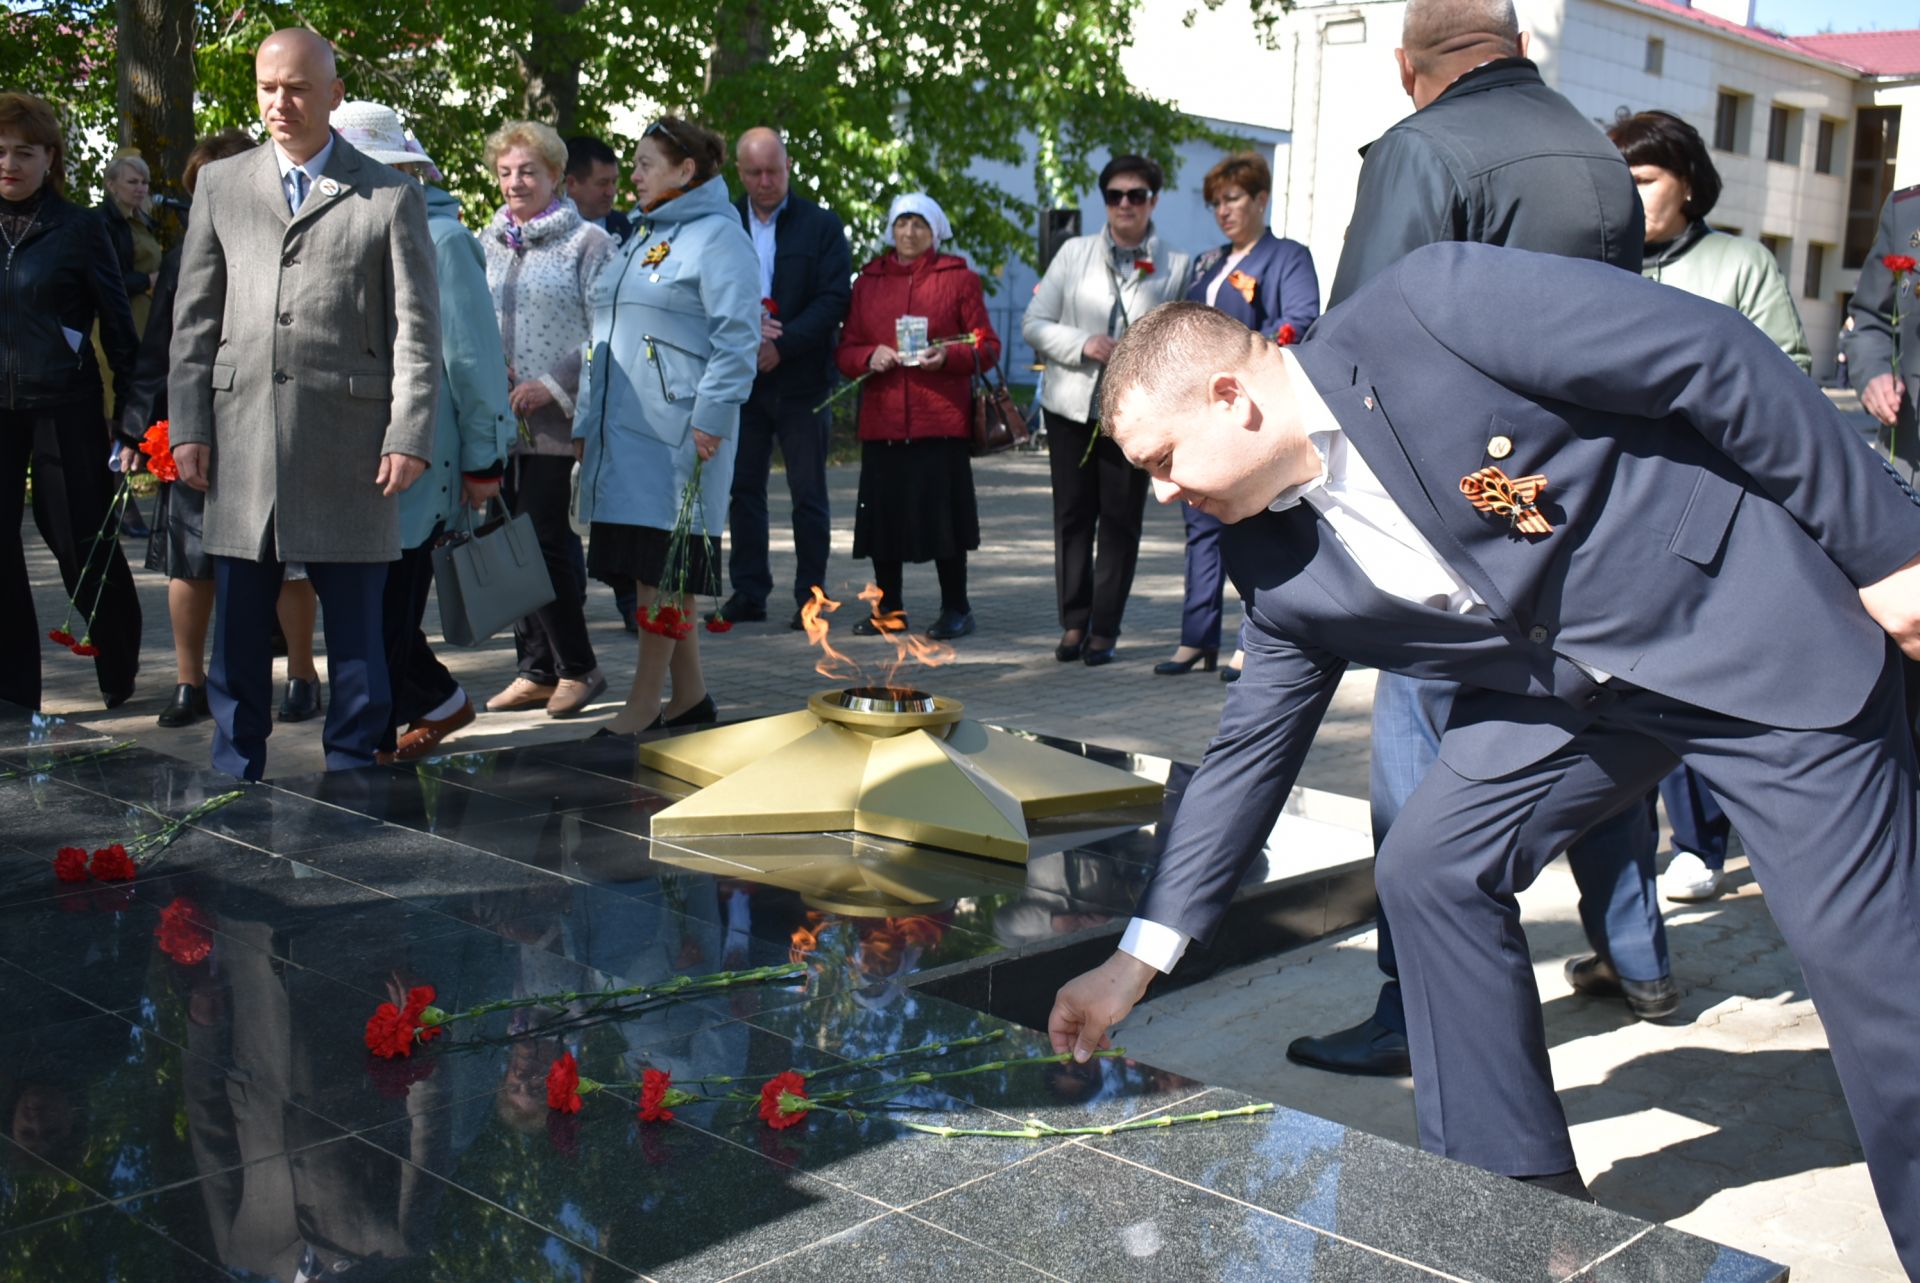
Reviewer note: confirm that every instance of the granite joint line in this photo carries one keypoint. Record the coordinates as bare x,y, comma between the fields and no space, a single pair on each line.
1324,1233
985,1247
1609,1254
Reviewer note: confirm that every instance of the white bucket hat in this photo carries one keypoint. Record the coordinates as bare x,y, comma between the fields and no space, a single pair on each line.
376,132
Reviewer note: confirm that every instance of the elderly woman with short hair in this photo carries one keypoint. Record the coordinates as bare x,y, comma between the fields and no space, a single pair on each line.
541,259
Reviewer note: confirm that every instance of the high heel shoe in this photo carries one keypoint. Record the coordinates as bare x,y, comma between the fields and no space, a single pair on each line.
1228,673
1068,651
1095,656
1207,659
705,713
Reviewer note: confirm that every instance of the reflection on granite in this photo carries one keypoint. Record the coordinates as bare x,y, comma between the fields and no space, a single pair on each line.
218,1091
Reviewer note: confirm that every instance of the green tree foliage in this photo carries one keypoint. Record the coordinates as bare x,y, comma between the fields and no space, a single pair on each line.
874,96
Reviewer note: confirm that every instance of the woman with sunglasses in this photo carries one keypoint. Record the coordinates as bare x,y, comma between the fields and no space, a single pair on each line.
1269,285
676,340
1095,287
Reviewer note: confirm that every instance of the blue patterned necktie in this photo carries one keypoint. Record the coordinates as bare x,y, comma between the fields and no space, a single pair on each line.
299,189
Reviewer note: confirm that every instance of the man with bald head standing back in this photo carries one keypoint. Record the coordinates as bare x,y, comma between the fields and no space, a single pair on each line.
806,282
306,357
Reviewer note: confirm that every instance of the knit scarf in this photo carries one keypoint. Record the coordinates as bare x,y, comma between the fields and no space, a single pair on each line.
514,233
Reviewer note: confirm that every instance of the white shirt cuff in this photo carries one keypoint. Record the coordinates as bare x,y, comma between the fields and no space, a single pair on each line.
1157,946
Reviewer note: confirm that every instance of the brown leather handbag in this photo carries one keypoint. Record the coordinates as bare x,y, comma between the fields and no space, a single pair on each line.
998,424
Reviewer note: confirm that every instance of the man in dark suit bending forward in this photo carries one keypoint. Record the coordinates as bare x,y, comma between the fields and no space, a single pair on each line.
1561,486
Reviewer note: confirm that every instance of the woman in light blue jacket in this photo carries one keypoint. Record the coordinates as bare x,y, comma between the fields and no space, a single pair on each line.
676,332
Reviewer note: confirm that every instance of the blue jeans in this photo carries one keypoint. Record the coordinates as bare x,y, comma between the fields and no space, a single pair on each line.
1612,862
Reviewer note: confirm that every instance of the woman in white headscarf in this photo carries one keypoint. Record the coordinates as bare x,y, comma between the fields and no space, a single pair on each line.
916,478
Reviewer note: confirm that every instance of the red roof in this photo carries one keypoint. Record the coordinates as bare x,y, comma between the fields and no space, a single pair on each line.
1877,53
1759,35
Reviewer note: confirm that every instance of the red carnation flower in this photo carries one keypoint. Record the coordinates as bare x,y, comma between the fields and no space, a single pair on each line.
1286,335
654,1085
181,935
563,1084
1144,266
85,648
60,635
717,625
783,1101
1899,262
159,451
770,307
392,1031
70,864
113,864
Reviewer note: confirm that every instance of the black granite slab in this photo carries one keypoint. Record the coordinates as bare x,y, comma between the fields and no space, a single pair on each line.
227,1105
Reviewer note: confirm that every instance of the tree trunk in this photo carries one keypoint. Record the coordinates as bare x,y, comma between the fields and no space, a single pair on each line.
553,68
739,40
155,90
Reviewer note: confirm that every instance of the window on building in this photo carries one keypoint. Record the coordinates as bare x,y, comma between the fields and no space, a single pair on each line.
1816,268
1783,135
1732,116
1780,247
1876,137
1826,144
1656,55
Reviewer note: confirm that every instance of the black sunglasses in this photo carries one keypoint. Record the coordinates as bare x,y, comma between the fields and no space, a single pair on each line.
1129,195
661,127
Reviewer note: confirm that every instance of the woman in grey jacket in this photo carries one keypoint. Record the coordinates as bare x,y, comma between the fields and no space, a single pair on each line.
1095,287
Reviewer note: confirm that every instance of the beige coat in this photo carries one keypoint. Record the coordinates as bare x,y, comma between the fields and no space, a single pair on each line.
305,348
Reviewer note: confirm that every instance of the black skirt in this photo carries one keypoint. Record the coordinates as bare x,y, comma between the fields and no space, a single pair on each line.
174,548
640,553
916,501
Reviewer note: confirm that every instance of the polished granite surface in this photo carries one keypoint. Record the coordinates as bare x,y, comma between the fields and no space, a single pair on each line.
176,1116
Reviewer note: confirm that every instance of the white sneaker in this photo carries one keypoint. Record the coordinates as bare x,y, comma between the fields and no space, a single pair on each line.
1688,879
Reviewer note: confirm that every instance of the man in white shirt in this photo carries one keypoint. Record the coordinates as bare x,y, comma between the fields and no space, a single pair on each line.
1552,525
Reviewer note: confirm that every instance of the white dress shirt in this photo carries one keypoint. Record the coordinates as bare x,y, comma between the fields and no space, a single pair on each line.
763,241
1395,557
312,167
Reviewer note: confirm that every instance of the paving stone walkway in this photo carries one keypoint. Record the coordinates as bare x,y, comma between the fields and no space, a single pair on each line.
1725,1121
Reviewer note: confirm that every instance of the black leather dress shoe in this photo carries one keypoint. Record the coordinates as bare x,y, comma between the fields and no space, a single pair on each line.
870,626
1367,1048
1067,652
189,706
705,713
951,624
797,624
1646,999
1567,1184
302,702
738,610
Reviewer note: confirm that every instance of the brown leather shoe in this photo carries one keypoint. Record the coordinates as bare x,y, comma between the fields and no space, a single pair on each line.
423,737
573,694
522,692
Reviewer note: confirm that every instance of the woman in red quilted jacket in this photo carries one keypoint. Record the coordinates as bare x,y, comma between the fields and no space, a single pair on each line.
916,479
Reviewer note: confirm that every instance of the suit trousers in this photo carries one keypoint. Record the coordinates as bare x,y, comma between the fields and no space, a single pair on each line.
72,489
552,642
419,681
240,678
802,433
1830,817
1200,611
1699,825
1612,864
1098,509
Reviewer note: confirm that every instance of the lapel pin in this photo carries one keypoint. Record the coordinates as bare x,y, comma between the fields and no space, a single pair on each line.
1491,490
1368,402
1499,447
329,187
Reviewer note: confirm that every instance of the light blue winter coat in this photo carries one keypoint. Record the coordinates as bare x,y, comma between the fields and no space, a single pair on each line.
475,426
674,348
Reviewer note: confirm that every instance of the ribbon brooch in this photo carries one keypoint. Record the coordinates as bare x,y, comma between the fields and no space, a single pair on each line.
1244,284
1491,490
657,255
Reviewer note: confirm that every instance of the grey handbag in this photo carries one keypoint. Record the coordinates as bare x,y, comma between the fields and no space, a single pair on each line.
489,576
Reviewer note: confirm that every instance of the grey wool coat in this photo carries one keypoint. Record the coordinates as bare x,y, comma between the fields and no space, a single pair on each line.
305,348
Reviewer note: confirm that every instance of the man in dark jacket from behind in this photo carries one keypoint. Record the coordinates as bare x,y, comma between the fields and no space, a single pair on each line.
806,280
1491,154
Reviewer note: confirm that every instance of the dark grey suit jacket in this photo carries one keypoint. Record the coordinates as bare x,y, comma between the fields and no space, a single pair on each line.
1701,491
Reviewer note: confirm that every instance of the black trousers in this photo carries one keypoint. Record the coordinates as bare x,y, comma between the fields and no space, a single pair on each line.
72,489
552,642
1830,821
890,576
802,436
419,681
1098,510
